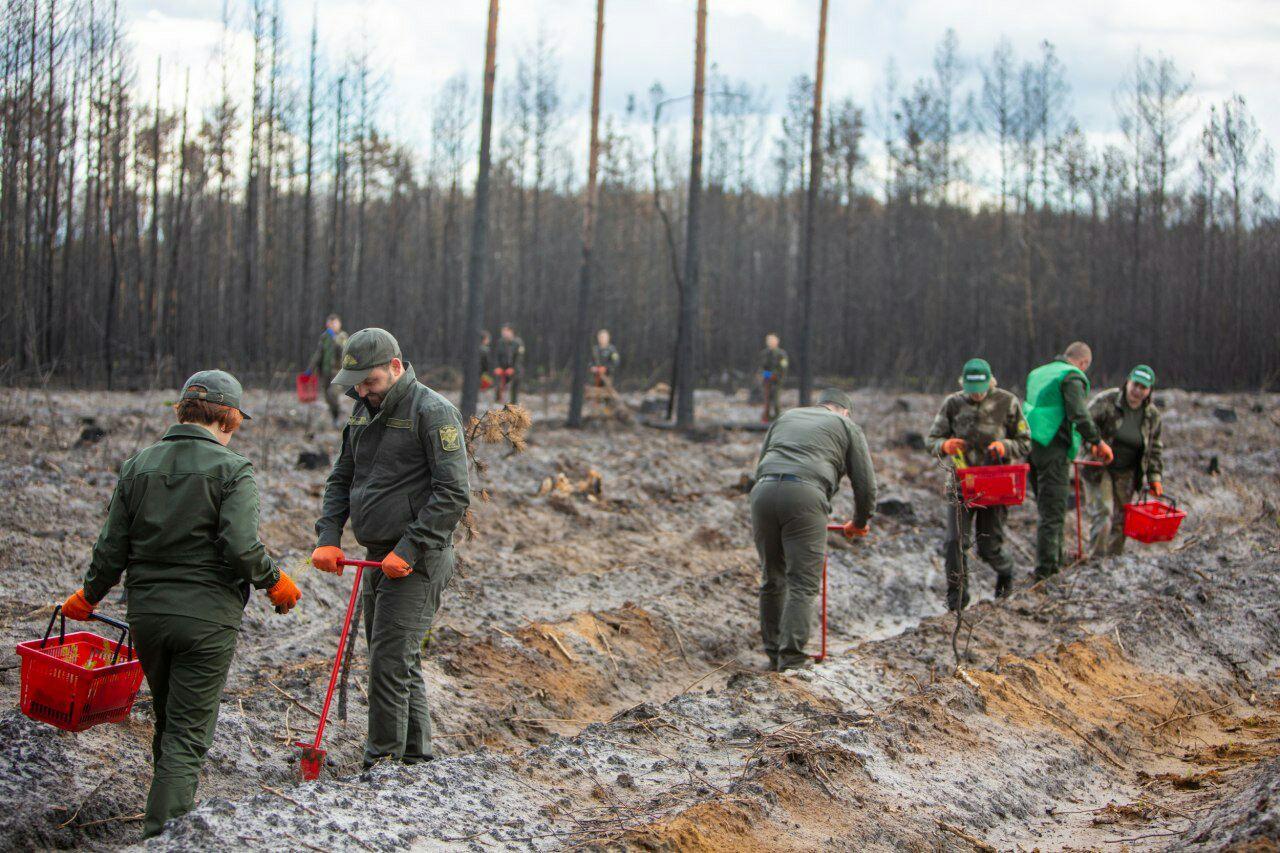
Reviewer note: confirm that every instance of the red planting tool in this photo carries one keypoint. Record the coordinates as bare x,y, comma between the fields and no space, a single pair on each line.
766,385
312,754
505,375
818,658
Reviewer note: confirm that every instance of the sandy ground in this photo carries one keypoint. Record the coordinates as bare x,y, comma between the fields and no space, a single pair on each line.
595,677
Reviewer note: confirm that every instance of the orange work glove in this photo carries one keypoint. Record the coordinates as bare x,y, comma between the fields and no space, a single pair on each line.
1157,488
852,531
77,606
284,594
997,447
952,446
326,557
394,567
1102,450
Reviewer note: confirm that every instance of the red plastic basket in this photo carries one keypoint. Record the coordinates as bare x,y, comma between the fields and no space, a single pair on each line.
1153,519
993,485
79,680
308,387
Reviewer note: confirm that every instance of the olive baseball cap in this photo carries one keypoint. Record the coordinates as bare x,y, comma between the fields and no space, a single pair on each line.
1143,375
365,350
976,376
835,397
215,386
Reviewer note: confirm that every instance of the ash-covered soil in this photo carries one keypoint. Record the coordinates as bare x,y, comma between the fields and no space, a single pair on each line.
595,677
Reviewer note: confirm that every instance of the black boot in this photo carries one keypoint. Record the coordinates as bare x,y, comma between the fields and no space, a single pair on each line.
1004,584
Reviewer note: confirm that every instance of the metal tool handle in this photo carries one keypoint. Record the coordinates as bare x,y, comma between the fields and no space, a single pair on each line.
342,644
366,564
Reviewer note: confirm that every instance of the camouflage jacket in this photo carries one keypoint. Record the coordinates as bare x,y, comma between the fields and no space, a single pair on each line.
509,353
327,359
775,361
997,417
1107,411
606,357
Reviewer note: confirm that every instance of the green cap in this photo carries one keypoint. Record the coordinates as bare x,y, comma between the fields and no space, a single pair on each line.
215,386
365,350
835,397
976,376
1143,375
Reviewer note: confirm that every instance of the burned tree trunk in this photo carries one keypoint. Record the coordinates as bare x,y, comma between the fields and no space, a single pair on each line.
479,229
687,348
810,215
581,329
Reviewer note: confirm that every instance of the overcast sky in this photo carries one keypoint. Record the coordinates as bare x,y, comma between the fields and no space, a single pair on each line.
1228,45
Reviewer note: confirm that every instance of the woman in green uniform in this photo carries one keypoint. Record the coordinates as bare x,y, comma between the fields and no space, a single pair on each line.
182,528
1129,421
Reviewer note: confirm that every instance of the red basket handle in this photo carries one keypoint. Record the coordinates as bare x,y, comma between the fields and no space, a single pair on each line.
1148,496
125,633
62,632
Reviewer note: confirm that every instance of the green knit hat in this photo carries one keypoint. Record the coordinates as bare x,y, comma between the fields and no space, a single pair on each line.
976,376
1143,375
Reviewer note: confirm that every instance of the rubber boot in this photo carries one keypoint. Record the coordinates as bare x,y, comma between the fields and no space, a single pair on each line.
1004,584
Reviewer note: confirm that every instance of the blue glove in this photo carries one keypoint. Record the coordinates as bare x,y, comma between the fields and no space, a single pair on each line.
307,372
767,374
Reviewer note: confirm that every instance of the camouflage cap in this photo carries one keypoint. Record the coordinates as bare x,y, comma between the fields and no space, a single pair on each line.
1143,375
835,397
215,386
975,378
365,350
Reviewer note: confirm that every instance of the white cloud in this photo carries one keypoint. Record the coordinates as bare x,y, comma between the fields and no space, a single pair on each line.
1228,45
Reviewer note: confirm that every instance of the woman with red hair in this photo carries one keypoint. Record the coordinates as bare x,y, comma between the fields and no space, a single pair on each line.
182,528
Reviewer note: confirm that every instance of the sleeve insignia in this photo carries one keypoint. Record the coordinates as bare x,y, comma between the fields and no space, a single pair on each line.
450,438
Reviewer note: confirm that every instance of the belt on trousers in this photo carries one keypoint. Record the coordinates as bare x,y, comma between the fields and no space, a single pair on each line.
783,478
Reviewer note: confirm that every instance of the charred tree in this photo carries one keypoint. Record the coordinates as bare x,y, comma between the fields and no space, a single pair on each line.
811,214
479,228
581,329
687,347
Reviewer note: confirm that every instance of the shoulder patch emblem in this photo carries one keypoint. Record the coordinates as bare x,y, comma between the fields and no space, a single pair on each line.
450,439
